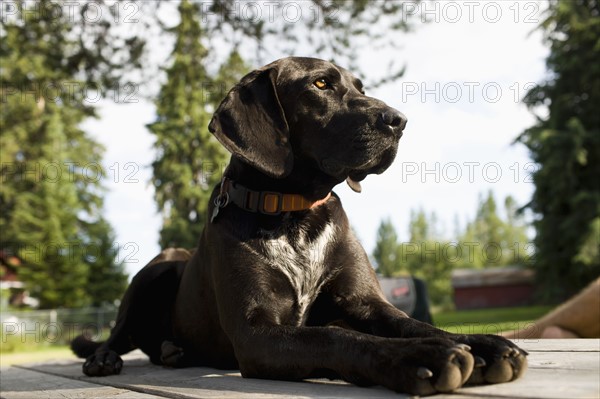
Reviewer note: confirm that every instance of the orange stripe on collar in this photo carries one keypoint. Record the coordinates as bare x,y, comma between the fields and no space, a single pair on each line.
266,202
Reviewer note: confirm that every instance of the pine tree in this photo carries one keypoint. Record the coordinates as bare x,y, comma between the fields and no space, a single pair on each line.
430,257
189,160
483,239
518,249
106,279
44,222
47,200
228,75
419,226
566,146
424,256
489,240
386,250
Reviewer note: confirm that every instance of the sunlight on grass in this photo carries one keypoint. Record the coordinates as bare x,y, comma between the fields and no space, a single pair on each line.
489,321
480,321
41,355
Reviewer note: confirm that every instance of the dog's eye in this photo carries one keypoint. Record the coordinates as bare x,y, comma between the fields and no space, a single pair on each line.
321,84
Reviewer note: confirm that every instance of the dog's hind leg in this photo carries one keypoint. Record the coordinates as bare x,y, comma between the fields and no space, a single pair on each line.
172,355
144,320
103,358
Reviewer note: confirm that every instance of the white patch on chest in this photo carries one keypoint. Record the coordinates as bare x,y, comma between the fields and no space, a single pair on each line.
302,262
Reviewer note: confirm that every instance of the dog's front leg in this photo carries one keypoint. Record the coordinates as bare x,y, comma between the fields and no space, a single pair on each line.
417,366
496,358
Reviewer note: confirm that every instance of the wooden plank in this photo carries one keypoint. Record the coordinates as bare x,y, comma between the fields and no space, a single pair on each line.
202,382
559,345
27,384
557,369
550,376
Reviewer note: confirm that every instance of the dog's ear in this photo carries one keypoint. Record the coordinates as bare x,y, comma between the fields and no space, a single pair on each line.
251,124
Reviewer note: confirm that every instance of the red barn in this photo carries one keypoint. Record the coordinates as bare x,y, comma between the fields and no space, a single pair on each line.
492,287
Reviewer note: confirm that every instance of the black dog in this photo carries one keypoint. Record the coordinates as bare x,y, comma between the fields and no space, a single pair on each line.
279,286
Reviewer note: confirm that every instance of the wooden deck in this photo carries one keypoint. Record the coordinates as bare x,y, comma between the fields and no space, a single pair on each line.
557,369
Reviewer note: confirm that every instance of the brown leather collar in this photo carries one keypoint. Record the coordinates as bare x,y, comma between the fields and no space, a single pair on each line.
266,202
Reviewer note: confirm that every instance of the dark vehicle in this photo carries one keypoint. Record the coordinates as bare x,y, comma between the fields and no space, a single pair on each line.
408,294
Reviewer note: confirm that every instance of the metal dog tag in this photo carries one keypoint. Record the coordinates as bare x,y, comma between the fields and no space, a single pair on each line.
215,212
220,202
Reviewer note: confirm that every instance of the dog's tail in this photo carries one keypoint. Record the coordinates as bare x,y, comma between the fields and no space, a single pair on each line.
83,347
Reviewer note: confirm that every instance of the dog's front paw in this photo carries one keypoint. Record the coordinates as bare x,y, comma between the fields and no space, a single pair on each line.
103,363
446,370
496,359
428,367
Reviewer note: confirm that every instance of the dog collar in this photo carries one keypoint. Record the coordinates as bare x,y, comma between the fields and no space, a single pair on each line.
265,202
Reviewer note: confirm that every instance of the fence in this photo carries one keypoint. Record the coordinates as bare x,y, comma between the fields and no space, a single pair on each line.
57,326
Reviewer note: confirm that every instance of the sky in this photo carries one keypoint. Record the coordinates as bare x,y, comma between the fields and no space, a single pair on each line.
466,71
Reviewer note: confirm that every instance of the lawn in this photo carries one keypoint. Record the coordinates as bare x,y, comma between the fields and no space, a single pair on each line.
488,321
32,347
42,354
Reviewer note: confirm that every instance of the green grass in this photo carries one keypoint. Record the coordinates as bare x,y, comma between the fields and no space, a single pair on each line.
488,321
40,354
481,321
32,347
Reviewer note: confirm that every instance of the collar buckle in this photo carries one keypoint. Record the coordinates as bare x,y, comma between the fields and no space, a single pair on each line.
270,203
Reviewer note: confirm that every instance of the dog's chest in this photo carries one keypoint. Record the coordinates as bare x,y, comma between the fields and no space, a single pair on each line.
303,262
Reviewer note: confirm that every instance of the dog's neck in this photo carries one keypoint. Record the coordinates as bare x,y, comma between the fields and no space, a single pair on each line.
309,182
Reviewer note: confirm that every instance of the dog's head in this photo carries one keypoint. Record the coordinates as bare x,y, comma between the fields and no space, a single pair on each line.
310,112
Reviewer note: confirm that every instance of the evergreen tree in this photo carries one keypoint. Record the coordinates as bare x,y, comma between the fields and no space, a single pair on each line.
566,146
489,240
47,199
228,75
106,279
336,30
189,160
423,256
485,242
419,226
430,257
386,250
518,248
43,221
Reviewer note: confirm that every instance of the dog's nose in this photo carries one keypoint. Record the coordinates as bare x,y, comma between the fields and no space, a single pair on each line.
394,119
